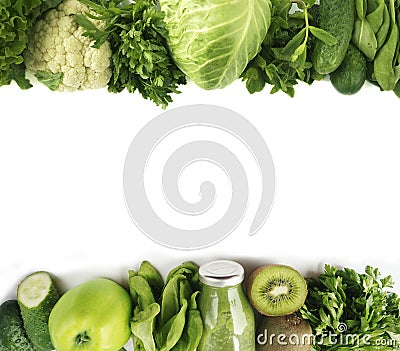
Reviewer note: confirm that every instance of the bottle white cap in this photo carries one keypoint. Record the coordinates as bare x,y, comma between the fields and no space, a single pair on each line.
221,273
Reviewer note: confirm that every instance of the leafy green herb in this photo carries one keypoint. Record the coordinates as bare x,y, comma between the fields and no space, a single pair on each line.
137,34
357,308
49,79
284,56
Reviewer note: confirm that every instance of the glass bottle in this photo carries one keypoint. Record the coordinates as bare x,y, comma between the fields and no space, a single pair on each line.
228,317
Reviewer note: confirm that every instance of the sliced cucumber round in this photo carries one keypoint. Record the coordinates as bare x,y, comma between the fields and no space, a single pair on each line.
37,296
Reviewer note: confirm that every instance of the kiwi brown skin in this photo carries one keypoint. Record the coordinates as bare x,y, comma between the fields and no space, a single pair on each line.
298,334
250,283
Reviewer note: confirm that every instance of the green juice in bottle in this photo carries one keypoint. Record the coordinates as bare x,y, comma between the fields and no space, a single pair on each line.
228,317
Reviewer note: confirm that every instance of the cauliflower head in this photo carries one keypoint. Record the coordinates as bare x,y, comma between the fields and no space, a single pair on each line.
56,45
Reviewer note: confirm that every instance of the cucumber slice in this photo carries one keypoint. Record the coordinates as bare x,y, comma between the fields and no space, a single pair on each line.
37,296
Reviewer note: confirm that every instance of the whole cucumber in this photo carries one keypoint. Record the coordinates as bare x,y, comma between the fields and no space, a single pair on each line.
12,333
336,17
349,78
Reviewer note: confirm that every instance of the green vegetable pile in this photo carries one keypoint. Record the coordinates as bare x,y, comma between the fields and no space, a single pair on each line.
357,309
155,46
344,310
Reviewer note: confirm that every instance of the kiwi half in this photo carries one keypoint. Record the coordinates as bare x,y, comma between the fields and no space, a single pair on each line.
276,290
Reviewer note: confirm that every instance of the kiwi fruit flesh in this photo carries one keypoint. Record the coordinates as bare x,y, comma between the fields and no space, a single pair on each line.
276,290
297,334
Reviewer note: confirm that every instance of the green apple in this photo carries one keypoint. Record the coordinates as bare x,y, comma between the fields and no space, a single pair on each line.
92,316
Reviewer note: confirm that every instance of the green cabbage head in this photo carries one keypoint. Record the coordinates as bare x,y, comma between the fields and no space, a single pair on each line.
212,41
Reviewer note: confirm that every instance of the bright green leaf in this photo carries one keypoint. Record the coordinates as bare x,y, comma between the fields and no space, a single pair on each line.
323,35
49,79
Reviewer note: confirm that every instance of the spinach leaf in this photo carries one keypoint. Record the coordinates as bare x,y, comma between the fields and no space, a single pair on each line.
170,299
153,277
189,270
142,325
193,330
387,55
145,312
374,28
383,31
397,89
171,332
142,290
364,38
375,15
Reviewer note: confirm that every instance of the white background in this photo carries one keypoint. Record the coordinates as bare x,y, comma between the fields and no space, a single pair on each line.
62,207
